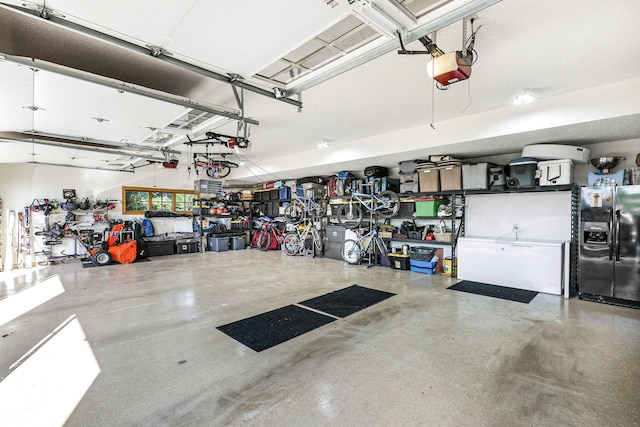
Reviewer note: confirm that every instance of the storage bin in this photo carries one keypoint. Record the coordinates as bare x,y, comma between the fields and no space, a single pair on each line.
409,177
261,195
186,246
422,264
335,233
422,253
451,178
428,206
274,194
476,177
423,270
409,166
605,179
284,193
399,261
410,187
556,172
407,209
218,244
160,248
429,180
522,173
236,243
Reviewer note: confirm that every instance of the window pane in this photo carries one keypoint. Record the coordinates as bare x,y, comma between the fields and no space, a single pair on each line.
137,200
184,202
161,201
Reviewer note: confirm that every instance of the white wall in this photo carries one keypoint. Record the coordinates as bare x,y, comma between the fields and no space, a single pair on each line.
21,183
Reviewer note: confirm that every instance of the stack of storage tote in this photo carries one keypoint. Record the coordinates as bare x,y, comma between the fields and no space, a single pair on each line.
409,178
421,260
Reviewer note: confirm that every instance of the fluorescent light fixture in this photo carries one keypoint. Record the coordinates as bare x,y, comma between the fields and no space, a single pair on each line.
448,68
524,97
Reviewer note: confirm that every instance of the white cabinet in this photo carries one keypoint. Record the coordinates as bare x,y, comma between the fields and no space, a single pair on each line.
536,265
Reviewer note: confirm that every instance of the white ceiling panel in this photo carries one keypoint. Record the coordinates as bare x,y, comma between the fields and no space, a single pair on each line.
76,107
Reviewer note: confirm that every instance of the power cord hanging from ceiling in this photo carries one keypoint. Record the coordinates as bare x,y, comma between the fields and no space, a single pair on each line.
468,49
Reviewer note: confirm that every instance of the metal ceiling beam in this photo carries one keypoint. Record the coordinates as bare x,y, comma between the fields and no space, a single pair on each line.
154,51
82,167
89,141
469,8
127,87
17,137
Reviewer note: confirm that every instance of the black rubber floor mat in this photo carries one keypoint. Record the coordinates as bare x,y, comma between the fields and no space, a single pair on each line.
347,301
274,327
502,292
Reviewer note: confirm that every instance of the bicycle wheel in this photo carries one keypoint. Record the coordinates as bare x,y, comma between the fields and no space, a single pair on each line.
291,243
264,240
351,251
390,204
294,213
350,215
220,168
321,209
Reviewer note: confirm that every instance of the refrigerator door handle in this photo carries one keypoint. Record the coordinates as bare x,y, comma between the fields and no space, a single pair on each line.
612,238
617,235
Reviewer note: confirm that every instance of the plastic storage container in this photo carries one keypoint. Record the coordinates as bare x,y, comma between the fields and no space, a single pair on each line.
476,177
218,244
522,173
428,206
605,179
423,270
410,187
236,243
422,264
186,246
422,253
399,261
556,172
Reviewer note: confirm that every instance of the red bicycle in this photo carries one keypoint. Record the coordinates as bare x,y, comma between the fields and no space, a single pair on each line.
270,236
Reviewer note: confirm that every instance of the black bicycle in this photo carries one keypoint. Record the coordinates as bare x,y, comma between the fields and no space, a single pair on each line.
215,166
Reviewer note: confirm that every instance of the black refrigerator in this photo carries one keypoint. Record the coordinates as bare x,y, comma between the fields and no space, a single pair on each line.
609,257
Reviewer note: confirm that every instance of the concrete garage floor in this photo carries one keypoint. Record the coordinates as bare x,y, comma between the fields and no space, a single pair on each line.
426,356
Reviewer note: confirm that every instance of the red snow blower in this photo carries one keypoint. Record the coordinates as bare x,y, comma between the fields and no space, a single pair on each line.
123,253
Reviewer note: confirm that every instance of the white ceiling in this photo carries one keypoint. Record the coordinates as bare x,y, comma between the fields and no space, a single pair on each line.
579,57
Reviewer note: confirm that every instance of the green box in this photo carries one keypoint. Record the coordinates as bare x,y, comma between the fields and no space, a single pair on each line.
428,207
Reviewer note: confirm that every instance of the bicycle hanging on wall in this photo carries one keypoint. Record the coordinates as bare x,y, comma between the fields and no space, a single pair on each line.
386,204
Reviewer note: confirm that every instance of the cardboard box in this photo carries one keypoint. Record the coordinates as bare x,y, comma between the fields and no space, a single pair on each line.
451,178
429,180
